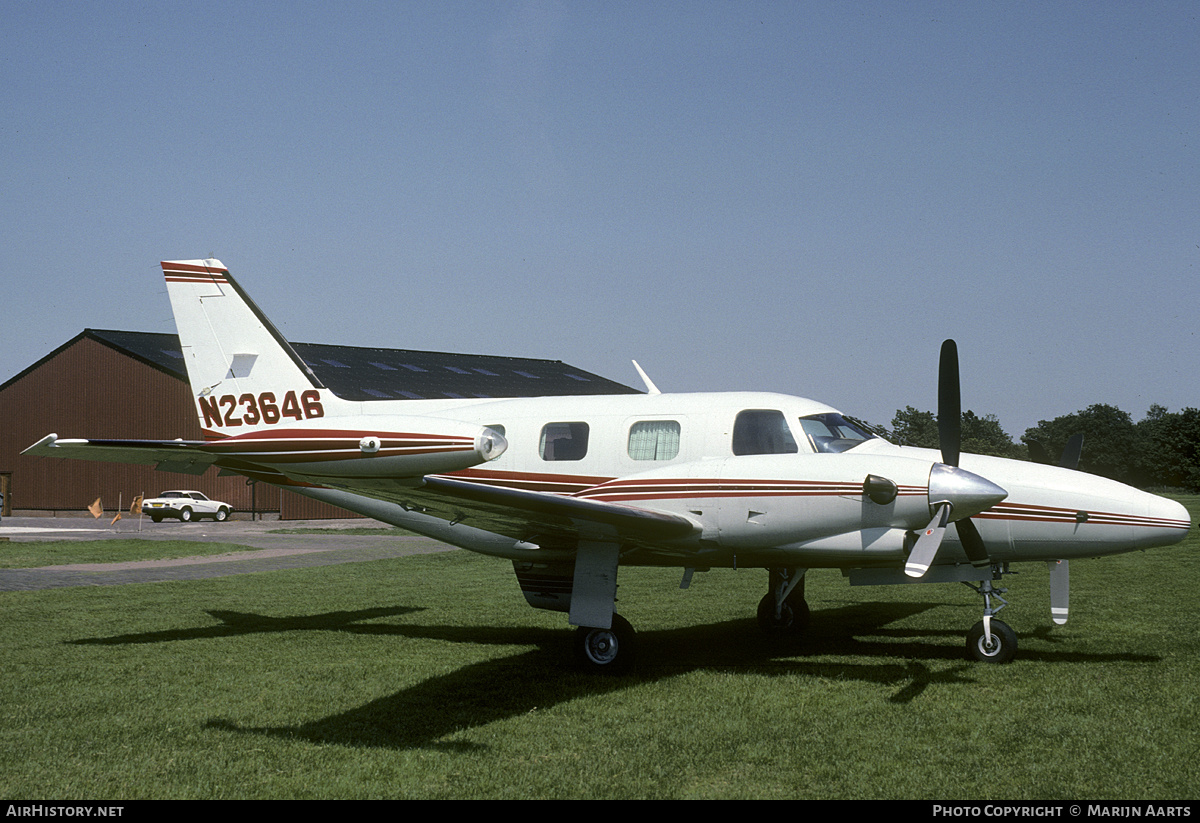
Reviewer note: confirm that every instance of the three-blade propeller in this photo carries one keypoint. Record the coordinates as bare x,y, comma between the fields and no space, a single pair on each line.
1070,455
950,441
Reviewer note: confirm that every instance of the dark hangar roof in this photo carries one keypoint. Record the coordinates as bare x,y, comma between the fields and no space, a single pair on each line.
357,373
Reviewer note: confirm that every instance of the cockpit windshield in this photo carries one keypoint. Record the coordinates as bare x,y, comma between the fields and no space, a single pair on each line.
833,433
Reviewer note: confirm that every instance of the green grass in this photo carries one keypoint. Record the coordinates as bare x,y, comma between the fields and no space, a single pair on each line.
36,554
384,531
428,677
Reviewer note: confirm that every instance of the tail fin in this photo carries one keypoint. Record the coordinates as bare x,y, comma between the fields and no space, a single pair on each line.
243,373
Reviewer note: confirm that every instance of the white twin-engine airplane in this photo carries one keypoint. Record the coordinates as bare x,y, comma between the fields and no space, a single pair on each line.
571,488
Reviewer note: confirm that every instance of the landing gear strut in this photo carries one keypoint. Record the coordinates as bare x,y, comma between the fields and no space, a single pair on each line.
783,610
990,640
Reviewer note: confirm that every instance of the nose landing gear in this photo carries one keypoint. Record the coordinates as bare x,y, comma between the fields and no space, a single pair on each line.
989,640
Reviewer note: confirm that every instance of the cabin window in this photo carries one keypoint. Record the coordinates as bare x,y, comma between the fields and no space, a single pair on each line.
564,441
762,431
654,440
833,433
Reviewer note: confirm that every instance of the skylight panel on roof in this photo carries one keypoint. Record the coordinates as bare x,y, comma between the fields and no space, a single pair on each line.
526,374
411,367
456,370
334,363
485,371
383,366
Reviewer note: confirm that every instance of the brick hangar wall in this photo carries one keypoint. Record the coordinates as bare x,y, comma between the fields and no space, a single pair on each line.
88,389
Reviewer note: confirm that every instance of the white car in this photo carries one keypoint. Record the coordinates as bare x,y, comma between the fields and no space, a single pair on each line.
185,506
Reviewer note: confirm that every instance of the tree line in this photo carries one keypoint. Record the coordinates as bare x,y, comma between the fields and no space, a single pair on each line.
1160,450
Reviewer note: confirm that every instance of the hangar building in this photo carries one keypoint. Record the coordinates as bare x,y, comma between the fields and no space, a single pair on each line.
122,384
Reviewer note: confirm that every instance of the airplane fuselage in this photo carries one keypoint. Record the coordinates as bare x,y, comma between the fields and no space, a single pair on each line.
792,505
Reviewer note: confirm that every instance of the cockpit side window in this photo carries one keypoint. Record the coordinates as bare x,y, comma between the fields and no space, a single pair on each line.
762,431
833,433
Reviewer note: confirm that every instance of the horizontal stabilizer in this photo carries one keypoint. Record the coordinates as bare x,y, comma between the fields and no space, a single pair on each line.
168,455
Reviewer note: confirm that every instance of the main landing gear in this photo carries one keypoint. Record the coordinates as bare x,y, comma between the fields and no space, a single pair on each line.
607,650
783,610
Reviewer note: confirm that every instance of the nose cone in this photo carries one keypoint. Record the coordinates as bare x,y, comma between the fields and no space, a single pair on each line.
1167,522
966,492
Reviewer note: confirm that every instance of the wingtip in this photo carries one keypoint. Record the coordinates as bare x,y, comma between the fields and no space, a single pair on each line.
42,445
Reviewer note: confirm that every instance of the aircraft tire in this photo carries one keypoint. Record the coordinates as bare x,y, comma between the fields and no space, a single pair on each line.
793,618
606,650
1001,649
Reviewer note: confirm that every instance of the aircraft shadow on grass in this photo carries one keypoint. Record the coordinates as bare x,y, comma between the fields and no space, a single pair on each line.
477,694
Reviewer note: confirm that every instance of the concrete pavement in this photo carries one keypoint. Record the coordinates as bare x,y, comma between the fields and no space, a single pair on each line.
331,545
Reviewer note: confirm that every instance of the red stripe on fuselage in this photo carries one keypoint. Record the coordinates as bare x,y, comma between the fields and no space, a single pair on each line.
321,445
1028,513
664,489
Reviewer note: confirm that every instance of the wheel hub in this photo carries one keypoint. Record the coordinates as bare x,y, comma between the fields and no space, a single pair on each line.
601,646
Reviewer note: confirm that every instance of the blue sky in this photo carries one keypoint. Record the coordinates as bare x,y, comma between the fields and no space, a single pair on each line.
795,197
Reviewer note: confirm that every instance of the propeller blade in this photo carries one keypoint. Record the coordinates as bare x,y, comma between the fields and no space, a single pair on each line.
949,404
922,554
972,543
1060,590
1037,452
1070,455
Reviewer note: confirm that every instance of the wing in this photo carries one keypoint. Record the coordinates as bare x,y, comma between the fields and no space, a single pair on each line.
551,520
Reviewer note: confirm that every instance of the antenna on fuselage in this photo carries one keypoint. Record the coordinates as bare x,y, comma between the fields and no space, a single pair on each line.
650,387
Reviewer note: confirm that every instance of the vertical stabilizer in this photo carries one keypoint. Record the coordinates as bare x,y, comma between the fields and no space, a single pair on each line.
243,373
